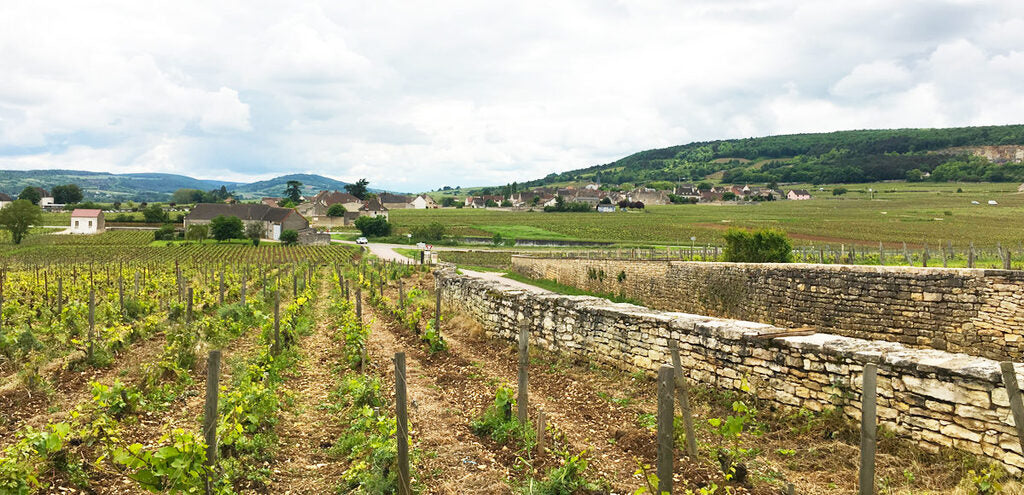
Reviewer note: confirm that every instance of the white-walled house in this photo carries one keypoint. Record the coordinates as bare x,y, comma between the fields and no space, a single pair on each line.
87,222
798,194
5,200
423,202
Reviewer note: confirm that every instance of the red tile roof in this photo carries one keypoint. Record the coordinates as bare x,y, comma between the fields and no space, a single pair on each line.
81,212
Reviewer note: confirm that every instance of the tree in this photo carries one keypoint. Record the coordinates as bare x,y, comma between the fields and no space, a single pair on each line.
728,196
914,175
289,237
839,191
506,204
433,232
18,216
223,228
31,195
763,246
293,191
606,200
255,231
164,233
117,205
197,232
773,185
358,189
287,203
336,210
448,202
373,226
704,186
67,194
154,214
184,196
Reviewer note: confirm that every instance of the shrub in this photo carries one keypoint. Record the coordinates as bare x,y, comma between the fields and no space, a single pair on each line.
223,228
433,232
165,233
839,191
373,226
336,210
763,246
289,237
154,214
197,232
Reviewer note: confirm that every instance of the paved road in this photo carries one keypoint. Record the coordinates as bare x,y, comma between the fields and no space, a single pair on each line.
387,252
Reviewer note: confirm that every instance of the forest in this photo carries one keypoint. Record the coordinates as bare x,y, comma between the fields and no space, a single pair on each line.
834,157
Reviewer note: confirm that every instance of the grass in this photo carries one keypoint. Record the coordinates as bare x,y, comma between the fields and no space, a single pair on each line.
206,242
567,290
893,213
523,232
492,261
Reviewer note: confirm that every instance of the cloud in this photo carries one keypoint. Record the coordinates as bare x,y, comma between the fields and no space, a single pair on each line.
456,92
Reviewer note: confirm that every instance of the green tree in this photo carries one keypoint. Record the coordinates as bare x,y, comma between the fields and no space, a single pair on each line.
255,231
358,189
704,186
164,233
915,175
223,228
289,237
31,195
18,216
293,191
433,232
839,191
197,232
336,210
184,196
728,196
448,202
154,214
763,246
67,194
373,226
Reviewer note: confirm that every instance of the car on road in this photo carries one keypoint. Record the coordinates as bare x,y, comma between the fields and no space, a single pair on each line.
362,240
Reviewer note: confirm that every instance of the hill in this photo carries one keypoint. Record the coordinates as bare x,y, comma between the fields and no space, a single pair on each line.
104,186
834,157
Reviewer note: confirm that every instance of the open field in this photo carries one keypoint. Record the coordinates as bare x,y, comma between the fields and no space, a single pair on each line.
915,213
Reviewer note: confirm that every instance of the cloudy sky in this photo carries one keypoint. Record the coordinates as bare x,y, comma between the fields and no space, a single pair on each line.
415,95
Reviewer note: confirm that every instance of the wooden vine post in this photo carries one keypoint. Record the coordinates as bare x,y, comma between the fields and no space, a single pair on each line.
210,416
221,288
402,413
665,428
1013,393
277,321
188,306
524,360
92,321
683,397
60,297
243,287
868,430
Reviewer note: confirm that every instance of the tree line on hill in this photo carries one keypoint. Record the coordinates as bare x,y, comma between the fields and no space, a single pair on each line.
835,157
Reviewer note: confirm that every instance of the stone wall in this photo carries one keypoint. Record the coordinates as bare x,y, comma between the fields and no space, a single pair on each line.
980,312
934,398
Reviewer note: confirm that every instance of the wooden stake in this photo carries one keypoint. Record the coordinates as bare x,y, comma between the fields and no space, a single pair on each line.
92,321
683,397
277,321
221,298
210,416
1013,393
524,361
188,307
665,432
401,411
868,430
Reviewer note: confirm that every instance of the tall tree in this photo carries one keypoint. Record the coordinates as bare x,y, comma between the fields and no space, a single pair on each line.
67,194
223,228
358,189
30,194
18,216
293,191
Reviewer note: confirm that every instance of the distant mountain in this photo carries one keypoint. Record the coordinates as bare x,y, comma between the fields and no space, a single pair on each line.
104,186
833,157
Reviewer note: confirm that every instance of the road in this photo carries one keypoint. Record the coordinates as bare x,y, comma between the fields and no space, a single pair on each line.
387,252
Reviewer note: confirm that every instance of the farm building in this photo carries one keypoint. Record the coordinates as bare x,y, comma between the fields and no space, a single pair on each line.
606,208
5,200
373,208
275,220
87,222
424,202
798,194
395,201
324,200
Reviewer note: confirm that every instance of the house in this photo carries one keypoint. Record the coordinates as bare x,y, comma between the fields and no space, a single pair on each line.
1020,188
274,219
319,205
798,194
394,201
592,187
271,201
606,208
423,202
45,198
648,196
5,200
481,201
710,196
374,208
87,222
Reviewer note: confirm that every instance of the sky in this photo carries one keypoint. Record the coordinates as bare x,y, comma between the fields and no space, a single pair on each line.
418,95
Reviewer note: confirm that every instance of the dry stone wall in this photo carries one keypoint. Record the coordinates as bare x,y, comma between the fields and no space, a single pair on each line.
934,398
977,311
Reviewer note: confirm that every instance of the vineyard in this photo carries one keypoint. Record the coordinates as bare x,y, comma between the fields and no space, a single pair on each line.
106,388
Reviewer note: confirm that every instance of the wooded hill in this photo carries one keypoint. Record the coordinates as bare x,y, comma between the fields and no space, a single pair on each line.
834,157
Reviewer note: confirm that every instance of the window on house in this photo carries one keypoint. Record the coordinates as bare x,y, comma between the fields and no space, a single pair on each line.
90,223
76,224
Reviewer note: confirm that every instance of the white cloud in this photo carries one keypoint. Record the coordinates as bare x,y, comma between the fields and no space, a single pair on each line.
457,92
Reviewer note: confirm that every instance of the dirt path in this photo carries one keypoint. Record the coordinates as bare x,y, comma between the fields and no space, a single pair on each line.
306,431
443,400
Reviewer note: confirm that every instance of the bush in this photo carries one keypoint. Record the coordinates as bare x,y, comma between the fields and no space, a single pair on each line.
336,210
763,246
373,226
197,232
165,233
433,232
289,237
839,191
223,228
154,214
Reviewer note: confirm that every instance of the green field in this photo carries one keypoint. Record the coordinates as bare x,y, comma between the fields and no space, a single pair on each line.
915,213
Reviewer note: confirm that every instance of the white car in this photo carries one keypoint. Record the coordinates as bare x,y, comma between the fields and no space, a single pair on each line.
362,240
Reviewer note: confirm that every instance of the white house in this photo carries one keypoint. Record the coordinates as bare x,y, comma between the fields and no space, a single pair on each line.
87,222
798,194
5,200
423,202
